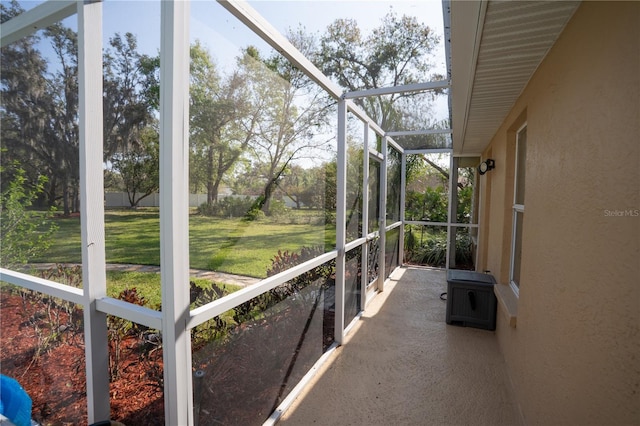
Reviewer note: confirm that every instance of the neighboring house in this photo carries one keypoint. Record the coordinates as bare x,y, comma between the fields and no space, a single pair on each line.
551,92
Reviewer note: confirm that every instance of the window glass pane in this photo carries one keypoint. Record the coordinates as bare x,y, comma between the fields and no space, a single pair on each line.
519,198
521,166
42,347
374,195
247,360
377,143
432,141
131,150
355,152
465,248
136,372
466,211
373,260
394,164
425,245
419,110
427,188
262,145
39,159
392,251
353,269
517,249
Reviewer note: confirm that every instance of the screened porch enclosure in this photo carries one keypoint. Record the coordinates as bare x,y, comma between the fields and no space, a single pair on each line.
277,332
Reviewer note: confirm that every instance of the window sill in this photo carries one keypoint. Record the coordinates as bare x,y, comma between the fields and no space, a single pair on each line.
508,302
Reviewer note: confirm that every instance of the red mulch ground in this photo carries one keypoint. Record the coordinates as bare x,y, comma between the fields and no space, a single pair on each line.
43,348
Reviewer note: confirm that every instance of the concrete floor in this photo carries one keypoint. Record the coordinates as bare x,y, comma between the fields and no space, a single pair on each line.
403,365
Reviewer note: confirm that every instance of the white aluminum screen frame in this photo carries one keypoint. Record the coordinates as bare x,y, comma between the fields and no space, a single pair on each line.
89,15
176,320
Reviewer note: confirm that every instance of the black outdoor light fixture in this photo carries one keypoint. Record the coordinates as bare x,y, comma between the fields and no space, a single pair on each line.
486,165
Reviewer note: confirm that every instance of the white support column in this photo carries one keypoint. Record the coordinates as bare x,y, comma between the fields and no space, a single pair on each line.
403,193
92,207
174,211
383,211
452,210
341,218
364,281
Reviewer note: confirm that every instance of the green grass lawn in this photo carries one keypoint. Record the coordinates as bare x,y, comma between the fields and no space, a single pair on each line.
225,245
148,285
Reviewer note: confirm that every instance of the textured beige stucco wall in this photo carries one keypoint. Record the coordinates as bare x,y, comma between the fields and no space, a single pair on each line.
574,356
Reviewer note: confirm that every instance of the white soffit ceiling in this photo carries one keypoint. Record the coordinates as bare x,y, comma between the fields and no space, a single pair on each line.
495,48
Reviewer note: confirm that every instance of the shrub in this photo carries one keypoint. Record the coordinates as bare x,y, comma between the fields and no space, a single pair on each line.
330,217
207,210
25,234
434,252
118,329
410,240
69,275
227,207
464,252
50,321
277,208
286,259
281,262
254,214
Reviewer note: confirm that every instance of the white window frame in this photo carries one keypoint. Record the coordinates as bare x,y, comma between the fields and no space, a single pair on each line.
517,209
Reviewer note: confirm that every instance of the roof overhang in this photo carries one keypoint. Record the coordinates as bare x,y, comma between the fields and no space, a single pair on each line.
495,48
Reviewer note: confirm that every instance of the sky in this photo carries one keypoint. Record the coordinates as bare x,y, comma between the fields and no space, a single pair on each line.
225,36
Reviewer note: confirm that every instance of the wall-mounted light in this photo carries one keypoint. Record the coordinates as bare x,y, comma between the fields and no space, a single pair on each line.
486,165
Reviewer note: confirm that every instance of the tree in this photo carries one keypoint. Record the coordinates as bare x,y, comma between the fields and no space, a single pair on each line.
40,111
25,104
139,167
220,121
427,189
127,107
305,187
61,135
398,52
40,105
328,197
293,184
294,111
314,189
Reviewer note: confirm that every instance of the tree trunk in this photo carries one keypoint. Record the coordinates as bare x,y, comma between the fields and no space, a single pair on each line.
51,193
212,196
214,190
268,192
133,203
65,196
76,197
